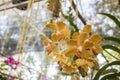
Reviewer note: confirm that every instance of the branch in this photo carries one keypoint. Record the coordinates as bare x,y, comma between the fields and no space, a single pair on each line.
3,55
118,2
79,15
112,55
16,5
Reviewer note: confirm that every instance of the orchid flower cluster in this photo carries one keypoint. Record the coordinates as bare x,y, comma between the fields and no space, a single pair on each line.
11,62
78,52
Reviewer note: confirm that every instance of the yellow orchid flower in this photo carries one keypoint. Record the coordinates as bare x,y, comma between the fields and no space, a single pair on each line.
61,31
51,47
81,44
96,39
84,64
85,45
80,37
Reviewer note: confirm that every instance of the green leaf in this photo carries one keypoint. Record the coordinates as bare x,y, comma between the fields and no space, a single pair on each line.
113,18
98,74
113,76
112,55
117,40
114,48
2,65
2,77
69,17
109,71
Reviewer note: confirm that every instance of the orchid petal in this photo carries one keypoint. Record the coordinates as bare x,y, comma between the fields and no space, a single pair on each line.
61,26
70,51
82,37
52,26
87,28
95,38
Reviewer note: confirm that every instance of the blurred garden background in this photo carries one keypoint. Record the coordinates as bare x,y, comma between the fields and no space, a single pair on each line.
22,22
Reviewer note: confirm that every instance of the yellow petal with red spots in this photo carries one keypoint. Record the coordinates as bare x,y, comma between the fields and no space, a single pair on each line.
52,49
53,53
98,48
